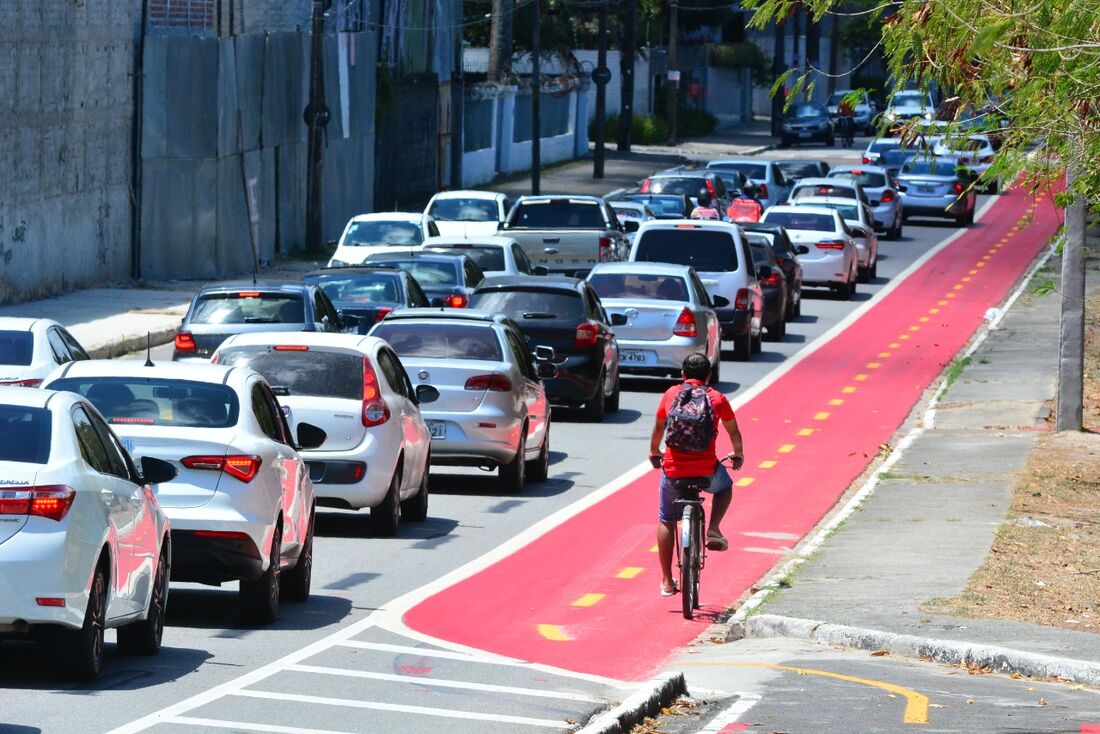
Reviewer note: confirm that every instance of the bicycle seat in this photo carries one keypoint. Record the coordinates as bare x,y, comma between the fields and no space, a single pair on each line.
691,485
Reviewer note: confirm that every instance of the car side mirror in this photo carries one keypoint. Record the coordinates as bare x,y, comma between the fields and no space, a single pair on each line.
803,250
618,319
540,270
157,471
310,436
546,354
547,370
631,225
426,394
720,301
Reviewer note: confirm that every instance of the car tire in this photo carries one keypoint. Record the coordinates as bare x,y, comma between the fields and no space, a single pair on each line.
742,347
259,599
78,653
970,217
385,519
756,343
513,474
830,141
851,288
612,404
778,330
864,275
716,370
144,637
415,508
874,269
539,469
595,408
798,306
297,581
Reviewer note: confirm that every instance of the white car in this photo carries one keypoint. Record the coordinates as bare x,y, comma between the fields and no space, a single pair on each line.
30,349
864,110
84,545
355,389
832,261
494,255
861,222
242,504
906,104
366,232
976,152
468,213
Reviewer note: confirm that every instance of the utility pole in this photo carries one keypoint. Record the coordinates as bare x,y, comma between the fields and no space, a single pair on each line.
834,47
813,44
536,103
778,67
316,117
626,71
673,86
602,75
1071,342
500,39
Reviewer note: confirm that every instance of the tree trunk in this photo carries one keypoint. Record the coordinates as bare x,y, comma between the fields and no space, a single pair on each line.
500,39
1071,348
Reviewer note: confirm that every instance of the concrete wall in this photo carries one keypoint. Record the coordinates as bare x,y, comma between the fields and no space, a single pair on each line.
255,16
65,124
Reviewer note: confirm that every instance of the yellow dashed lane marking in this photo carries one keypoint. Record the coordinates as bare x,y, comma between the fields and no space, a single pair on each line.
884,355
629,572
904,337
958,286
923,319
848,390
768,464
979,265
974,272
873,365
933,310
836,401
786,448
821,416
745,481
914,328
553,632
895,345
966,279
941,303
861,378
806,432
950,295
654,549
589,600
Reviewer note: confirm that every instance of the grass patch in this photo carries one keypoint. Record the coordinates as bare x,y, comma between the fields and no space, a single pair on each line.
954,371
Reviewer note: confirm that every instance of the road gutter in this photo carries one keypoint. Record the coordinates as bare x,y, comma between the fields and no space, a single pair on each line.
654,696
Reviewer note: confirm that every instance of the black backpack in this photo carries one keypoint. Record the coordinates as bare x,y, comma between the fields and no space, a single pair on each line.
690,425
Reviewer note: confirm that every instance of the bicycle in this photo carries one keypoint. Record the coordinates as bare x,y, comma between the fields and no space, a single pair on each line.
847,130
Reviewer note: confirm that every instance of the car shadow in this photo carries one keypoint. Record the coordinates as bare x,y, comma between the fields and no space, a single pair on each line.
332,523
486,485
27,666
653,385
199,608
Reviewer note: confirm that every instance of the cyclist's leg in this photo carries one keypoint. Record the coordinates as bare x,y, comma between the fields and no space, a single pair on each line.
666,531
721,486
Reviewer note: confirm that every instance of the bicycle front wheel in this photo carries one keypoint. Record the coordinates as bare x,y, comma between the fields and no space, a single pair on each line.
689,563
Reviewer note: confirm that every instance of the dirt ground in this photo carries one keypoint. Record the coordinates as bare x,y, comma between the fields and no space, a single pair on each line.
1044,566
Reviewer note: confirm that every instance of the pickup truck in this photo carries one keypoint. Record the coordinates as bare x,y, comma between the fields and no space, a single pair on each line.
568,234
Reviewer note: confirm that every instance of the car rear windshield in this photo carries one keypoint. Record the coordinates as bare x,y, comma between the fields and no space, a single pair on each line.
748,170
866,179
799,169
848,211
157,401
761,252
383,233
705,250
464,210
926,167
800,220
531,304
640,285
558,214
427,340
966,144
26,434
667,205
486,256
16,347
683,185
426,272
312,371
802,192
881,146
359,287
249,307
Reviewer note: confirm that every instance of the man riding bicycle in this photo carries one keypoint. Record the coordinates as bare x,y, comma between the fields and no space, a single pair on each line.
679,464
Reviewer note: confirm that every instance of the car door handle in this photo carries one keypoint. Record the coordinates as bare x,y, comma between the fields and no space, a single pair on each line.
550,250
551,240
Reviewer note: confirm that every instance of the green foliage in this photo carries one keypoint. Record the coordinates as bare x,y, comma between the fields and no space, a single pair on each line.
690,122
745,55
644,129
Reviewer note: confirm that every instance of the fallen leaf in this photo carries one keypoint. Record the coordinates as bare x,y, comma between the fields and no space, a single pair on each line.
1042,702
970,700
879,653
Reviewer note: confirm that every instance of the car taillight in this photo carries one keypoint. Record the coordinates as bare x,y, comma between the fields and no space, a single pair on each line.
958,188
185,342
887,196
22,383
586,335
456,300
496,383
685,324
50,501
244,468
375,410
831,245
985,159
865,160
762,191
605,249
291,348
964,159
645,185
772,279
742,300
382,313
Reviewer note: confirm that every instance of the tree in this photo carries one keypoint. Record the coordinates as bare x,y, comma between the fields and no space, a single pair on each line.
1032,64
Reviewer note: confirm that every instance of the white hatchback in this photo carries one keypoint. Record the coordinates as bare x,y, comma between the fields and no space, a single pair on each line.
30,349
494,255
831,260
242,504
84,545
468,213
355,389
366,232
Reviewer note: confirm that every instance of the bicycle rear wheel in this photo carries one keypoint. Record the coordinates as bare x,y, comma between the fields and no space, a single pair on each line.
700,552
689,563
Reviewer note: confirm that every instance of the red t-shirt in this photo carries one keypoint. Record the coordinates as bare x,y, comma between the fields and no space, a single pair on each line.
689,464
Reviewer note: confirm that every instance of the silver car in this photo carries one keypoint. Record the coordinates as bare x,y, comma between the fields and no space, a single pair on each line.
492,410
661,314
880,187
937,187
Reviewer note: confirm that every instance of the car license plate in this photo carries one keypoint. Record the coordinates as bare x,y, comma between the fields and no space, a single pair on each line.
803,134
637,356
926,189
438,429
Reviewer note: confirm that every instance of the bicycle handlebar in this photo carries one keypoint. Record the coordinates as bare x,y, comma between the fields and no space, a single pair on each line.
657,461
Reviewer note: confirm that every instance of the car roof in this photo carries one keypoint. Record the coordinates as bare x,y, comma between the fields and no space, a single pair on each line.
546,198
811,200
795,209
211,373
249,287
364,269
732,161
824,181
469,194
641,267
411,217
493,240
706,224
25,397
19,323
543,282
418,254
855,167
357,342
446,314
685,173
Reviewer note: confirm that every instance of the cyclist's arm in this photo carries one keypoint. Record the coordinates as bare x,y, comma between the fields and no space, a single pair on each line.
656,436
735,438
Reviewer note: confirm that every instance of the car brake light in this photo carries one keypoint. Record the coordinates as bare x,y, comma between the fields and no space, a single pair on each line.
382,313
249,294
772,279
685,324
22,383
51,501
605,249
687,226
887,196
958,188
244,468
865,160
494,382
185,342
741,302
856,172
49,601
964,159
456,300
762,191
291,348
830,245
586,335
645,185
375,410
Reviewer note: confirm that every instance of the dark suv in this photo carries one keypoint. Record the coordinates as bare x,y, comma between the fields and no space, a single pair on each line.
563,314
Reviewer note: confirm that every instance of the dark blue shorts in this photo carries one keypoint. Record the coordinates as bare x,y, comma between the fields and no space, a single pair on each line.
669,512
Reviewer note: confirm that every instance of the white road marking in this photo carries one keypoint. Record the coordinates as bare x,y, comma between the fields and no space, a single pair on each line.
423,680
404,709
428,653
730,715
247,726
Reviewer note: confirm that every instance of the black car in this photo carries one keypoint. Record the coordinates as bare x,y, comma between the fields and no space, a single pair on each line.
220,311
774,284
806,123
786,254
565,315
664,206
797,168
690,184
447,280
364,295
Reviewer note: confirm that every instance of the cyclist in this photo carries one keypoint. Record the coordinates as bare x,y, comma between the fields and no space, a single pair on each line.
705,210
679,464
846,122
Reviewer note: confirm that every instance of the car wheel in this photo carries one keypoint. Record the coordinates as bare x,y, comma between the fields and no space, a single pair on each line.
144,637
716,370
798,306
970,217
778,330
513,474
612,405
851,287
595,408
539,469
416,507
830,141
78,653
864,275
296,582
260,598
874,269
385,519
756,344
742,347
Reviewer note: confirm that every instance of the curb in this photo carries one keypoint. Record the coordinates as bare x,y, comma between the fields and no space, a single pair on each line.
759,149
127,344
949,652
648,701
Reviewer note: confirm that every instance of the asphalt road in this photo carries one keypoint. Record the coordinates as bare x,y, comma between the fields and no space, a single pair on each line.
335,655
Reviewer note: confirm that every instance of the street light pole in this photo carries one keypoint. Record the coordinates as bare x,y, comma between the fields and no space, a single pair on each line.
602,76
316,117
536,104
673,85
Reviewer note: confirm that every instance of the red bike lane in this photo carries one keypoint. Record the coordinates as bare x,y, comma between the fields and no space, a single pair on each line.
584,596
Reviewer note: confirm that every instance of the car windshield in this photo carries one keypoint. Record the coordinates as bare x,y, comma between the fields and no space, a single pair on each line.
530,304
464,210
836,97
808,110
248,307
426,272
848,211
683,185
640,285
302,371
908,99
558,214
426,340
822,189
705,250
801,220
487,257
866,179
16,348
157,401
26,434
358,287
383,233
748,170
929,167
